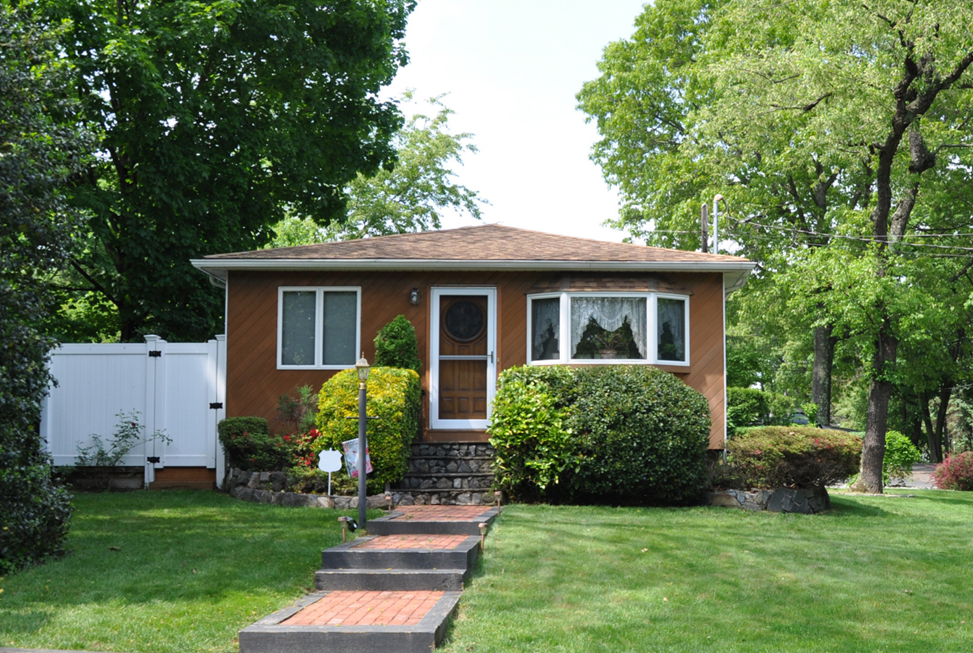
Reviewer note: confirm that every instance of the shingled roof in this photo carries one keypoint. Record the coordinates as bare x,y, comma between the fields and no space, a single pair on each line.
491,242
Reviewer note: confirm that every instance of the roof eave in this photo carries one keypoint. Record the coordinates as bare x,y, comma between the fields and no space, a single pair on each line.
219,267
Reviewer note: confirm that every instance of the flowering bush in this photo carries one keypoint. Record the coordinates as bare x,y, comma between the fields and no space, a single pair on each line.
955,473
394,397
793,456
304,450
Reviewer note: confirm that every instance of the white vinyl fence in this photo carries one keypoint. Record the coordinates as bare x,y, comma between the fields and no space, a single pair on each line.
178,388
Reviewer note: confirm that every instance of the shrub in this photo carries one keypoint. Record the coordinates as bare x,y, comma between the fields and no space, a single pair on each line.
641,434
527,429
752,407
393,398
900,456
955,473
249,445
618,434
396,345
794,456
36,511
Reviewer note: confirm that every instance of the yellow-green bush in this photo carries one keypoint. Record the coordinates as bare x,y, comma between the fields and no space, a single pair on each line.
394,398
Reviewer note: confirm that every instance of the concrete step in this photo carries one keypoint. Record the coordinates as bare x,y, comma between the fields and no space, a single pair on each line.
411,520
403,552
324,622
391,579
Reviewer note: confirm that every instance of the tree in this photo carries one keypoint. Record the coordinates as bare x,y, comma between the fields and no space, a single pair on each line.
407,197
40,148
868,104
215,119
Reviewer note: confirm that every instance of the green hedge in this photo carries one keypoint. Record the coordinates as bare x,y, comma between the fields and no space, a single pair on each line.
751,407
393,398
606,434
248,444
792,456
36,511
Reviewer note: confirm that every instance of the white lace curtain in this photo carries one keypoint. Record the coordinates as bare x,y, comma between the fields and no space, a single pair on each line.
610,313
672,329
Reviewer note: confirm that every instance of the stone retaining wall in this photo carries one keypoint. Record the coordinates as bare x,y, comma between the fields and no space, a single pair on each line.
805,501
272,487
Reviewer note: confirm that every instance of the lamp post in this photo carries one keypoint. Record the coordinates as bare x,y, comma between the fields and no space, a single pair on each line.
362,367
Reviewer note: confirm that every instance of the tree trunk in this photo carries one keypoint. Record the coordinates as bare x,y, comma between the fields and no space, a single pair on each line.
945,392
873,453
821,375
935,445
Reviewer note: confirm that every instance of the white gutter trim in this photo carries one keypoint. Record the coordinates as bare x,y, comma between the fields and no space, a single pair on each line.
219,267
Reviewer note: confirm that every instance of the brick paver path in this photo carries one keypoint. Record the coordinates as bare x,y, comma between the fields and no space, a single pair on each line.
441,513
412,542
360,608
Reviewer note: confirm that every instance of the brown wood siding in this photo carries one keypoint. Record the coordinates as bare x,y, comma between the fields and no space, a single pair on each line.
254,383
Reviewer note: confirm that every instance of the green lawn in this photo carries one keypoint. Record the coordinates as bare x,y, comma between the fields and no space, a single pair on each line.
876,574
192,569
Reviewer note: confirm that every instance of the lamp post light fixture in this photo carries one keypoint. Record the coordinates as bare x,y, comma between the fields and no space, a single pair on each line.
362,368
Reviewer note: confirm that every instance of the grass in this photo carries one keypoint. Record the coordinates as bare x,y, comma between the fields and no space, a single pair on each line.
190,570
875,574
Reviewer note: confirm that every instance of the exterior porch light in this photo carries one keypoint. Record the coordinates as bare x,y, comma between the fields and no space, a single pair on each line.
362,368
414,297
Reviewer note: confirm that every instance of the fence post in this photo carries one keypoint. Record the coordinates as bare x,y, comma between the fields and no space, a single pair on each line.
155,403
220,412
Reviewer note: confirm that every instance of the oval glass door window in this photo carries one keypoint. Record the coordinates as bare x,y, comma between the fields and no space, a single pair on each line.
464,321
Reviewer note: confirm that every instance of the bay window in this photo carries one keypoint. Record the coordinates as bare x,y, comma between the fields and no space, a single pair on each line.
318,328
588,327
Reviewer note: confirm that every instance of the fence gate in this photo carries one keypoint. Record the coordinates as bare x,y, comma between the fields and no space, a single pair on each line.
177,388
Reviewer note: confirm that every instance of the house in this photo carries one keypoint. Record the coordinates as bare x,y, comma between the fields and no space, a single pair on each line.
481,299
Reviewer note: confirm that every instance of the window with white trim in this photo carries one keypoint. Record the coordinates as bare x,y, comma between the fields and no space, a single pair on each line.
591,327
318,327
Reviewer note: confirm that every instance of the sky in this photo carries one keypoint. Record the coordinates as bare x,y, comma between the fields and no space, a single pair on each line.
511,70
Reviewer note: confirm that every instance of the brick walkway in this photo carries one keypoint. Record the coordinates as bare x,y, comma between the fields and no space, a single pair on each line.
362,608
438,542
441,513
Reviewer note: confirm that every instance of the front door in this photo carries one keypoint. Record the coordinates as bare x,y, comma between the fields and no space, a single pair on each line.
463,355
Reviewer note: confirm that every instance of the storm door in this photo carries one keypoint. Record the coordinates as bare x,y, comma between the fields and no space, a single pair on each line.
463,355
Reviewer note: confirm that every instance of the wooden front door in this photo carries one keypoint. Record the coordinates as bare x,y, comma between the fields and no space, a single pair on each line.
464,370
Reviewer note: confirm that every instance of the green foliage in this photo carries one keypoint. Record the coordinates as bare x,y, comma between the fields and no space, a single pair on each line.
825,125
622,434
128,435
41,150
955,473
36,511
249,445
752,407
394,398
900,456
299,414
215,119
411,194
396,345
793,456
528,432
406,197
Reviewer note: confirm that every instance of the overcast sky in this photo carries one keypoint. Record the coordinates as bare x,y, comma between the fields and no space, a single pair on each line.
512,69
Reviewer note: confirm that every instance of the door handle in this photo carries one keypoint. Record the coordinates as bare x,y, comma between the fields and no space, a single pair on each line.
491,357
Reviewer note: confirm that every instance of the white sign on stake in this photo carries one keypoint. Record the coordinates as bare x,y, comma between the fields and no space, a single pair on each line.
329,461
